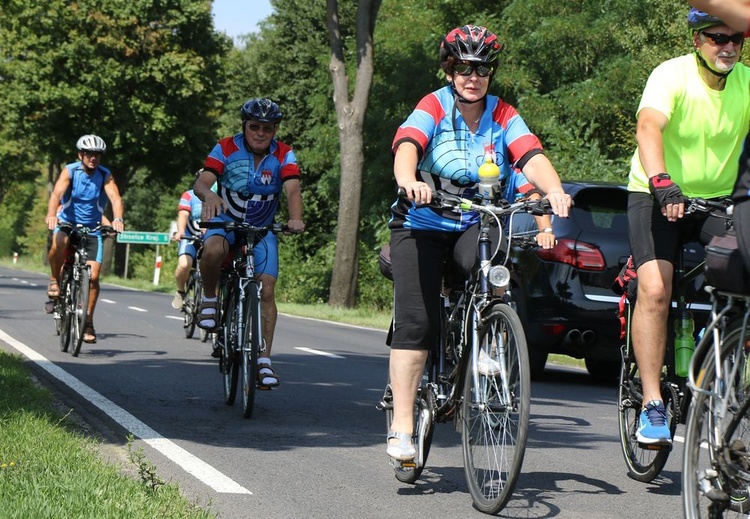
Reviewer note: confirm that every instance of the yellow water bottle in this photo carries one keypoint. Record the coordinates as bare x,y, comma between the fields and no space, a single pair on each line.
489,176
684,343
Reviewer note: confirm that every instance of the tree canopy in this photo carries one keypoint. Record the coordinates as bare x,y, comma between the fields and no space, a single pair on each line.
160,85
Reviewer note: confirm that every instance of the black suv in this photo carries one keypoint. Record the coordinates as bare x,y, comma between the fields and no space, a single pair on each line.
564,296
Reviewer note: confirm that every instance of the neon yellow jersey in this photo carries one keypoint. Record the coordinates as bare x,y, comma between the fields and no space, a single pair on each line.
705,129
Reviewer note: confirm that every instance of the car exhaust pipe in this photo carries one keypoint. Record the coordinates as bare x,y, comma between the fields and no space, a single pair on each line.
573,336
588,336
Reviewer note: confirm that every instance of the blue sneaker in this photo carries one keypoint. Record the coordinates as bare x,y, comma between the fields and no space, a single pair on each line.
653,428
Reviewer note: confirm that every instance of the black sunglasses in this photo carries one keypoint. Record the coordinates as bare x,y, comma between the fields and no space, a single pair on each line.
466,69
258,127
722,39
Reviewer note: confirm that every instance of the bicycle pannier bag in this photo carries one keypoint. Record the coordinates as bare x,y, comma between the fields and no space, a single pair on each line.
384,261
724,268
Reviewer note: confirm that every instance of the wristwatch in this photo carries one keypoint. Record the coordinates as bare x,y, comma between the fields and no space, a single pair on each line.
119,220
548,230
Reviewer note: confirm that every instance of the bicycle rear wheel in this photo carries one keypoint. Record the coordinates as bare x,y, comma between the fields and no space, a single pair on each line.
81,308
65,305
189,306
495,411
643,464
250,344
228,336
716,469
204,334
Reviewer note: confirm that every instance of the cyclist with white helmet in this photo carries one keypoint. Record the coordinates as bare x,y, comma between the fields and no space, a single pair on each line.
692,120
252,169
441,145
79,198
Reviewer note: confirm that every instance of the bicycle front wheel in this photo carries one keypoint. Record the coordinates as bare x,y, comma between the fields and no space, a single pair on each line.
189,306
81,308
65,305
250,343
495,409
227,335
643,464
716,469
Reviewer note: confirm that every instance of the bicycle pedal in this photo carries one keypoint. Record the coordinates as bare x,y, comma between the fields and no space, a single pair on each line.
652,447
404,464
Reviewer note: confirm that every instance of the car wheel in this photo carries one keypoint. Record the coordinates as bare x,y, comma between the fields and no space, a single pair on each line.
537,360
603,370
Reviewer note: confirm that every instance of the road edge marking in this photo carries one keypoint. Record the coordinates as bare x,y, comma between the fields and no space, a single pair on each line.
181,457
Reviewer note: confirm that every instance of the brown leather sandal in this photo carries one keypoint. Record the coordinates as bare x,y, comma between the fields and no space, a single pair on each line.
89,334
53,289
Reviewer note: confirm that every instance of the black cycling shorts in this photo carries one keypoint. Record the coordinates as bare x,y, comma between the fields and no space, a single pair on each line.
652,236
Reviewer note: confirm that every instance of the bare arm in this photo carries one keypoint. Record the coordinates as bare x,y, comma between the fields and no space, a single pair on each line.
405,171
648,134
182,220
735,13
213,205
540,172
63,181
293,191
113,193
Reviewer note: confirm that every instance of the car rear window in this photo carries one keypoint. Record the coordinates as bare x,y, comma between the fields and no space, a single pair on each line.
601,209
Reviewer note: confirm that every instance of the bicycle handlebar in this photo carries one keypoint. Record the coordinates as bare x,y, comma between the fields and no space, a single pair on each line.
444,200
702,205
274,227
106,230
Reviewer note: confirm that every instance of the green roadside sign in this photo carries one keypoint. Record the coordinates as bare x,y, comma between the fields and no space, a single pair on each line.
151,238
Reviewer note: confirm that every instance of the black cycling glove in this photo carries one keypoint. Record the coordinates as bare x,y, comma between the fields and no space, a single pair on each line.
664,190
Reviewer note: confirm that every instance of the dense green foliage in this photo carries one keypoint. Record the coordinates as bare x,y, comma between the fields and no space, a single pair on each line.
155,80
49,469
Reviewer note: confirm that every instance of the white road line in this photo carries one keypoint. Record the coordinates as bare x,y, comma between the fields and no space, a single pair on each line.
189,463
323,353
334,323
101,299
137,309
173,317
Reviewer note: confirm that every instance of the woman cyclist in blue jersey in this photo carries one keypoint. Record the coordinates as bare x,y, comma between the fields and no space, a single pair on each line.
441,145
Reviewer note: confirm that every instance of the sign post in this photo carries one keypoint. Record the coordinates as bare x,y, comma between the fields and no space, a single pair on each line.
143,238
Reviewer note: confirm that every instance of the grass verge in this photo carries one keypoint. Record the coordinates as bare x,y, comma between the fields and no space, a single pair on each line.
49,469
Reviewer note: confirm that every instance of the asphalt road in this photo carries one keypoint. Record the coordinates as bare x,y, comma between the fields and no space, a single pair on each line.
315,446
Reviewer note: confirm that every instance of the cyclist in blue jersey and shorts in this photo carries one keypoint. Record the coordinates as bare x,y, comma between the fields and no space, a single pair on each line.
252,169
440,146
682,151
188,217
79,198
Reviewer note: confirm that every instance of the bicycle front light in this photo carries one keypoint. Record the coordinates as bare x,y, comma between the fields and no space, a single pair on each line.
499,277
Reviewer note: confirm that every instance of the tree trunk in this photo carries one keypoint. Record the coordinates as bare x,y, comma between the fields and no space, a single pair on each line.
351,116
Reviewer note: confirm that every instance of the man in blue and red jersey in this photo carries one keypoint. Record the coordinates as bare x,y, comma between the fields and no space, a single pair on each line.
252,168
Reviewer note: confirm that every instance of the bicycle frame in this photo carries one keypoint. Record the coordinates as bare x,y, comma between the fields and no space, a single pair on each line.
716,471
477,319
240,314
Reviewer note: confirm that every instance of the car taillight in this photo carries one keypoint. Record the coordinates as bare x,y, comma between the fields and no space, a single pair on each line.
583,256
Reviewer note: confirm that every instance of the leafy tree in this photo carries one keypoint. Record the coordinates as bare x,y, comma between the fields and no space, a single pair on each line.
350,111
140,73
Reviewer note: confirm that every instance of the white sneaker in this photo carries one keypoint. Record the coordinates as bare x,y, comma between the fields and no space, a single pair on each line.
178,300
487,366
